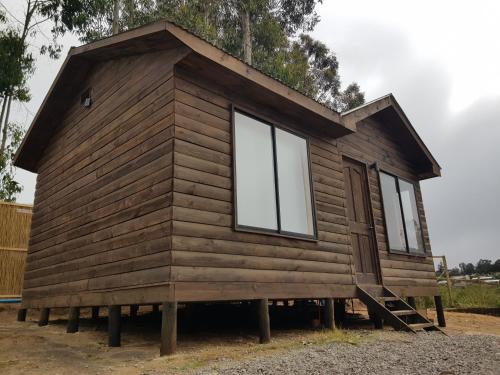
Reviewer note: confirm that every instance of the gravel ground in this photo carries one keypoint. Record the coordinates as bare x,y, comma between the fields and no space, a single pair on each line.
396,353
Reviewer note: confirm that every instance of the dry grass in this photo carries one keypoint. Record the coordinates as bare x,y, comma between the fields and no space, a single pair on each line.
50,350
215,353
472,295
15,223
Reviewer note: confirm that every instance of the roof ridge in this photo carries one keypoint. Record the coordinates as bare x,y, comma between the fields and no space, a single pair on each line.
251,66
166,20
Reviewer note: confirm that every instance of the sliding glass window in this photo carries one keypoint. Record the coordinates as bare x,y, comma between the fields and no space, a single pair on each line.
273,183
255,186
402,221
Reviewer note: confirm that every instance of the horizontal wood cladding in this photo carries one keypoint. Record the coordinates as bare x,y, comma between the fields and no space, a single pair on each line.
373,143
139,294
224,291
205,247
206,250
102,216
134,200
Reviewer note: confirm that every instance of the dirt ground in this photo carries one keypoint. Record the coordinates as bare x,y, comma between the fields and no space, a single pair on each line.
26,348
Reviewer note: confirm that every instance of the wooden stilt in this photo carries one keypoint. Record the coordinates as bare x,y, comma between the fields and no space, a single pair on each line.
95,313
329,314
264,324
412,302
440,311
339,308
114,325
376,319
44,317
74,320
133,311
378,322
21,315
168,328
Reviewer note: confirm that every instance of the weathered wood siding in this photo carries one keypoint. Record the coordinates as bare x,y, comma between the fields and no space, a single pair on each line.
134,199
212,261
102,212
407,275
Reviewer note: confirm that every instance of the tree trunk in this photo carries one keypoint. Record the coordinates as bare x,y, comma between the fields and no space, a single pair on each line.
5,124
247,37
116,17
206,11
4,106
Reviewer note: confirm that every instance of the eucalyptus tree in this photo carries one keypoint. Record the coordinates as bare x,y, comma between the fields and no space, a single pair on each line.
17,66
270,35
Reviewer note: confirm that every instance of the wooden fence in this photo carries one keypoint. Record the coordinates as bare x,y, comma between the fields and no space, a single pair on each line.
15,224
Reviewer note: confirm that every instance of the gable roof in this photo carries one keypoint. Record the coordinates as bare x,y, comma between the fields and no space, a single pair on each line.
149,38
388,109
164,35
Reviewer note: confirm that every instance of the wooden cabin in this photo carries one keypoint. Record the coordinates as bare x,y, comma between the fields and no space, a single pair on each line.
170,171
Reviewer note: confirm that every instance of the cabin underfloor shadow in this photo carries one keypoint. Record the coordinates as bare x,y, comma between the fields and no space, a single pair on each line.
222,321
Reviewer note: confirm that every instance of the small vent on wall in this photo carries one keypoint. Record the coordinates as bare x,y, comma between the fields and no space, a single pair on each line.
86,98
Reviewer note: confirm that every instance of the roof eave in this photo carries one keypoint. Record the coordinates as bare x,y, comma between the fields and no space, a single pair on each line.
355,115
244,70
98,50
18,157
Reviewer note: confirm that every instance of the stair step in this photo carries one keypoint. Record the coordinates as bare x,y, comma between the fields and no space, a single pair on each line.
418,326
391,313
388,299
404,312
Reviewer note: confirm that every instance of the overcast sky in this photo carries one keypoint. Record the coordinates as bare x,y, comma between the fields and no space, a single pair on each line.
441,60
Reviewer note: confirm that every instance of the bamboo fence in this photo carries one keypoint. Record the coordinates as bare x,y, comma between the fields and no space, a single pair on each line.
15,224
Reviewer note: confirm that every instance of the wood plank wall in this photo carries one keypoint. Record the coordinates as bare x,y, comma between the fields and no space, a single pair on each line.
406,275
134,200
212,261
102,212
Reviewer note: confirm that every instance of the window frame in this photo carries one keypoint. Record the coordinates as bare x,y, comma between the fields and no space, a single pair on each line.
278,232
422,253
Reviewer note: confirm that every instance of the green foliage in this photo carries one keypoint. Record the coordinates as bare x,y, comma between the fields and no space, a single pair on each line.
483,267
9,187
472,295
350,98
467,268
297,60
17,65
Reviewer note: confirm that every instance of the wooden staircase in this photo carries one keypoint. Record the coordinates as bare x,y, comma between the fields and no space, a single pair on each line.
394,311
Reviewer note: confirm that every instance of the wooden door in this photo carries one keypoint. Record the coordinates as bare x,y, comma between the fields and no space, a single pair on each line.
360,221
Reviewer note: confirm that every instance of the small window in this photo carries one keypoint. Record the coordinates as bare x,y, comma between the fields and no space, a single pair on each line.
402,221
273,183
